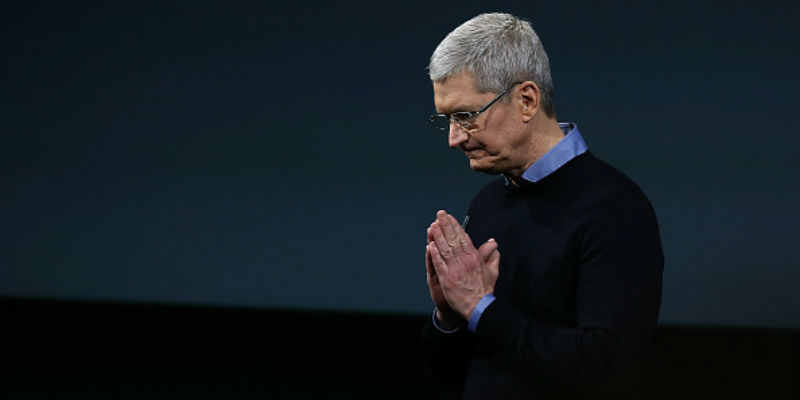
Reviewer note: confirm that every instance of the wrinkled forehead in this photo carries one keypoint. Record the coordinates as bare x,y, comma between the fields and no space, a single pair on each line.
458,93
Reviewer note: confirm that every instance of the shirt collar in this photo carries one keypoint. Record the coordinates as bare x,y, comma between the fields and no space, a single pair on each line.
569,147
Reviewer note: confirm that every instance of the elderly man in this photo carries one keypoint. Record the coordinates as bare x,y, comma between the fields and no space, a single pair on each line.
551,287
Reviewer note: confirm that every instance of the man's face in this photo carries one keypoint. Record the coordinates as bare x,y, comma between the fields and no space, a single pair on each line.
496,140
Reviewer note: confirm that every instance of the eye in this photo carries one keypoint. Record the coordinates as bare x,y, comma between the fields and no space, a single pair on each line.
462,116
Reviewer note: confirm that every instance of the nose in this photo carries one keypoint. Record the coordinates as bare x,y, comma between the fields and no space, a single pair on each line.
457,136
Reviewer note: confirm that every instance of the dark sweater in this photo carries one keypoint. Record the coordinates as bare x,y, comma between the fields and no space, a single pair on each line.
578,293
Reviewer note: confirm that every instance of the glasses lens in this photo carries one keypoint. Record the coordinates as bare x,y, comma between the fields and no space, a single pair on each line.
440,121
464,119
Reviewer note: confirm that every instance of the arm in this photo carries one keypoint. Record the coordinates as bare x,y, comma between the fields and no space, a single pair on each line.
618,291
447,354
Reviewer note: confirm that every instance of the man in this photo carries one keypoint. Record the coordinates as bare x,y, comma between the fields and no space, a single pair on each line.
551,290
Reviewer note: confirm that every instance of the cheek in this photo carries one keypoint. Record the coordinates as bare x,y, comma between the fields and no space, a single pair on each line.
497,147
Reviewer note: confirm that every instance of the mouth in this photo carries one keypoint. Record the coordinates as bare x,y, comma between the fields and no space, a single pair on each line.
473,152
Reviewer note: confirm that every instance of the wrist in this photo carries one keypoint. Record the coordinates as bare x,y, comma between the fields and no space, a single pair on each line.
478,310
447,319
468,311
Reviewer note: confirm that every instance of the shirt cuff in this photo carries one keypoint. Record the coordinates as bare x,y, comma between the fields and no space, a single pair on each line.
435,325
478,311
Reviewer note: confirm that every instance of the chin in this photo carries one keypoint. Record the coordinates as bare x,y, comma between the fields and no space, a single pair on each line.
486,168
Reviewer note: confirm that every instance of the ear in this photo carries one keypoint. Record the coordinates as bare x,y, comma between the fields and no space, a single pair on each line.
529,100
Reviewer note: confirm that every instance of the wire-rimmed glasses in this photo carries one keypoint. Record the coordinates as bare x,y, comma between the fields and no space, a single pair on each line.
463,119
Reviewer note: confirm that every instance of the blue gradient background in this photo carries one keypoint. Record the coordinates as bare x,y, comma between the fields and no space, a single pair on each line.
272,155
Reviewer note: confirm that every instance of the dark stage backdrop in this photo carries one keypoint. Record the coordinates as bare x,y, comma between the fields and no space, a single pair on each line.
261,154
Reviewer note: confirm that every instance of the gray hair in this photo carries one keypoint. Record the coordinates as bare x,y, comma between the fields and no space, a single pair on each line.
498,50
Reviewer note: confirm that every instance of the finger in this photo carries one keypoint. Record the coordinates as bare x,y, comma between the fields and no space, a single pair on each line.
490,274
494,259
442,247
492,267
433,279
427,256
429,262
433,283
462,234
438,261
429,269
487,249
450,232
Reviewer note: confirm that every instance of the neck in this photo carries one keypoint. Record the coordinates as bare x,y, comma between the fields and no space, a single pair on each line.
545,134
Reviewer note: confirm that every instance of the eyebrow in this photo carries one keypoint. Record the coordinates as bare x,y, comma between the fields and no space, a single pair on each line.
458,108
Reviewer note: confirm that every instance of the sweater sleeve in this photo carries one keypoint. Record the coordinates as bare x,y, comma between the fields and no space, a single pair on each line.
446,355
619,264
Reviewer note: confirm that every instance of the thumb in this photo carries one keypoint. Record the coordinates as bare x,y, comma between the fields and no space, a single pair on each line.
487,250
491,263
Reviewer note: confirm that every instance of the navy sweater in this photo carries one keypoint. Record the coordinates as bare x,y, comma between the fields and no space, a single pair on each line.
578,293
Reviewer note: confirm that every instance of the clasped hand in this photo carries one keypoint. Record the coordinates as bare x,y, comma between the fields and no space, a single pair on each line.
459,275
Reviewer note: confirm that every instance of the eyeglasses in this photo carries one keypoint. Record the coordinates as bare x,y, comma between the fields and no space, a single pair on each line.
463,118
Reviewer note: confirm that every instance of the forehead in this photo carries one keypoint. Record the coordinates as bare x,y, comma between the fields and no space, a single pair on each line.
457,93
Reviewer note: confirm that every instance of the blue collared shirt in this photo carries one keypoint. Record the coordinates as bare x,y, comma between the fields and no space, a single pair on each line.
569,147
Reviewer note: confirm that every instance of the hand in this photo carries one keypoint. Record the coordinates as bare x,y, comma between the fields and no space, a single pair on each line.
461,275
445,316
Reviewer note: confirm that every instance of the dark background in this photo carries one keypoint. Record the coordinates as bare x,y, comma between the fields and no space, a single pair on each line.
174,170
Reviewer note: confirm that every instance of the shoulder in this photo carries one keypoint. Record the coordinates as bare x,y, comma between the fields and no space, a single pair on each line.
598,184
609,206
612,215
